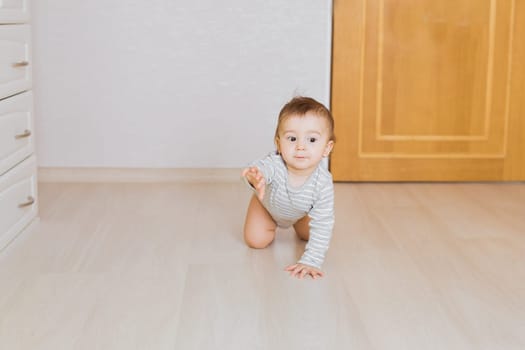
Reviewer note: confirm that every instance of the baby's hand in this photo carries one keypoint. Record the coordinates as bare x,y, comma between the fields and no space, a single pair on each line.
256,179
300,270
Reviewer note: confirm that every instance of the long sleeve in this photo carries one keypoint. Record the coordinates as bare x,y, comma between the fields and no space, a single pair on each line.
321,227
266,166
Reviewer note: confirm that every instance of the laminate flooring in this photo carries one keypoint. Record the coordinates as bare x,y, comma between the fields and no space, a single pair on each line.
164,266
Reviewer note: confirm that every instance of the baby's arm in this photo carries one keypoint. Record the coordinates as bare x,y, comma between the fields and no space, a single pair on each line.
321,227
256,178
259,174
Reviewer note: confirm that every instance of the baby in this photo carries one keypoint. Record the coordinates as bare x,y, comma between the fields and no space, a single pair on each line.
293,185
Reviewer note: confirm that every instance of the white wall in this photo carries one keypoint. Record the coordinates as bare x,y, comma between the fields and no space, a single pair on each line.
171,83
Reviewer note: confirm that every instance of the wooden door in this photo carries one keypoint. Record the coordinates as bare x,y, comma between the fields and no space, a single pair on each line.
426,90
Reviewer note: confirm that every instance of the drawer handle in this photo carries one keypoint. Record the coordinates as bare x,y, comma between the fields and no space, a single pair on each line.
21,64
30,201
26,133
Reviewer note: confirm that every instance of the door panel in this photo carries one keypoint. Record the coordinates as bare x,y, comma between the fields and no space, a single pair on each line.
426,90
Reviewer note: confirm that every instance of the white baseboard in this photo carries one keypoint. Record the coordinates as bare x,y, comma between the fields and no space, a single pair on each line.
138,175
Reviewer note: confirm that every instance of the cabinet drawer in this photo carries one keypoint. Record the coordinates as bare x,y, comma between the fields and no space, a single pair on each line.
18,201
15,59
16,130
14,11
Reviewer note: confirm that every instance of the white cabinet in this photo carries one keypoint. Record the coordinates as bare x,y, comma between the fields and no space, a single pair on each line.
18,204
15,65
14,11
18,171
16,130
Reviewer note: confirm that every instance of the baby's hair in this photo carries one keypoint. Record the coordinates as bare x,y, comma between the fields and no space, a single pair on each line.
300,106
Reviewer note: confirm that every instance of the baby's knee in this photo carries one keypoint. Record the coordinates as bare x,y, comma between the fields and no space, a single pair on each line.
258,241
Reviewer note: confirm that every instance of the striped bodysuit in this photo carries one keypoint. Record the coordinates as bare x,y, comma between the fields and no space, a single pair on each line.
287,204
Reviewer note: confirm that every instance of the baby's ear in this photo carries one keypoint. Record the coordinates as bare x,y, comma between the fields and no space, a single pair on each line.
276,140
328,148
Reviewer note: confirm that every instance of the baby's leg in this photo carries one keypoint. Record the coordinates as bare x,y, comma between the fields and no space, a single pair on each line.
302,228
259,227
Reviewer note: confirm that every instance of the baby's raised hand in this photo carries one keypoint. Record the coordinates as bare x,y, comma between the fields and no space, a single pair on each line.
256,178
300,271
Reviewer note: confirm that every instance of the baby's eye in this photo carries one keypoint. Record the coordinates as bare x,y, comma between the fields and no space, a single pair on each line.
312,139
292,138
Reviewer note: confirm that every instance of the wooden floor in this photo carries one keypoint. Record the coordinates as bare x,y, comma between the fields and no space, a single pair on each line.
163,266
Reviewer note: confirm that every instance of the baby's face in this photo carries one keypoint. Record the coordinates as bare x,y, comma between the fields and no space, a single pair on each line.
303,141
